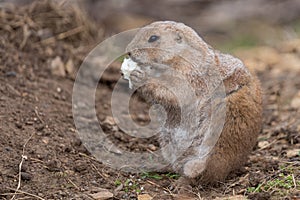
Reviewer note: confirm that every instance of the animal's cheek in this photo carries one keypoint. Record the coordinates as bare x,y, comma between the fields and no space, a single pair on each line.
150,55
140,55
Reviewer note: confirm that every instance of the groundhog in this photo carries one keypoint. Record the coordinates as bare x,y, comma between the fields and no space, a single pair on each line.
171,45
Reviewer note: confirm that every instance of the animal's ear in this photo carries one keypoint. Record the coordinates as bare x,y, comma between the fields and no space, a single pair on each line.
178,37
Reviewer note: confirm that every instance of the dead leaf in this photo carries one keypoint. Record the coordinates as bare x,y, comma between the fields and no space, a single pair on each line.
263,144
296,101
184,197
293,153
70,67
57,67
236,197
45,140
144,197
102,195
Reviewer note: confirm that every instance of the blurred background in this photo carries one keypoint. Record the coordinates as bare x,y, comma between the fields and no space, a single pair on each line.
225,23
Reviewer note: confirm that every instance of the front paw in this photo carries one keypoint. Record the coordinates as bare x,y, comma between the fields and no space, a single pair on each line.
138,78
194,168
182,186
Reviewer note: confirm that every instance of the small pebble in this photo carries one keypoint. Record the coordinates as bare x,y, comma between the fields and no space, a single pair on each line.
26,176
133,196
40,127
19,125
11,74
8,149
152,147
80,166
53,165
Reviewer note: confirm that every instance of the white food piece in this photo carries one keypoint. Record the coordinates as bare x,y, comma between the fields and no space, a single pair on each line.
127,67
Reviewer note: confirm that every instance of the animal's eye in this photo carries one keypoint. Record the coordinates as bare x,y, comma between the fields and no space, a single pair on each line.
153,38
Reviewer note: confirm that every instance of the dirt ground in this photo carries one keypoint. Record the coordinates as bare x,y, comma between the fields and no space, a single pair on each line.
42,46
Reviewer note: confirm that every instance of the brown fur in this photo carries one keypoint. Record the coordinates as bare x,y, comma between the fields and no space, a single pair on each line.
242,125
243,95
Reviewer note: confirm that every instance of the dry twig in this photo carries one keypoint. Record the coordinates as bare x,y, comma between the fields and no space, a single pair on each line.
23,192
24,157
